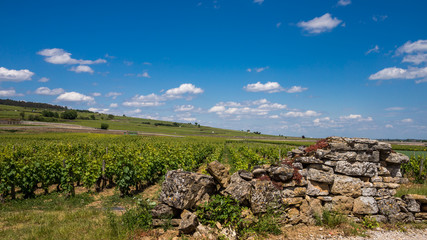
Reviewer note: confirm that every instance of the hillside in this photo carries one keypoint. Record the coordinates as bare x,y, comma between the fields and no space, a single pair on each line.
90,119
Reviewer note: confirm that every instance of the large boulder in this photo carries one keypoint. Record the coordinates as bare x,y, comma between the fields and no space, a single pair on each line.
342,204
317,189
320,175
264,195
388,206
365,205
397,158
348,186
281,173
182,189
357,168
219,172
239,189
164,211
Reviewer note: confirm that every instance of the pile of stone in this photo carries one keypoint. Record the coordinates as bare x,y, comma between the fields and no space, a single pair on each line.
355,176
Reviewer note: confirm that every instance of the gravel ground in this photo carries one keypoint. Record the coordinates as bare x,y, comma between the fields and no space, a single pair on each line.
410,234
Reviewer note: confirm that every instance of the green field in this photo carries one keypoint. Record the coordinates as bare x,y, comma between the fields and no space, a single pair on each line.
414,153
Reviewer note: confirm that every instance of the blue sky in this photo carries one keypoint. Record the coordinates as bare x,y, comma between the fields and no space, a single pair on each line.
355,68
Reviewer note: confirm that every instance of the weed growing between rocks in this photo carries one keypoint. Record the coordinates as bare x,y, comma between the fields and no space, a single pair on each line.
370,222
224,210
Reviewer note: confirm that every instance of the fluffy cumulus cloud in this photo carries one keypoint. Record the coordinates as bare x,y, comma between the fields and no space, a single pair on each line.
356,117
399,73
414,53
44,79
237,110
407,120
185,90
48,91
74,97
184,108
113,95
60,56
308,113
11,75
114,105
272,87
257,70
343,2
320,24
10,93
259,1
96,94
81,69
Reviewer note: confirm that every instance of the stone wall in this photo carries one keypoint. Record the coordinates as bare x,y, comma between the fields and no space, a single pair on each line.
355,176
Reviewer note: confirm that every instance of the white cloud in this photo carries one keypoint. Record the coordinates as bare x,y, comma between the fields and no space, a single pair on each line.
144,74
274,116
344,2
128,63
114,95
44,79
74,97
134,111
60,56
257,70
184,108
415,59
81,68
99,110
356,117
114,105
399,73
270,87
10,93
217,109
407,120
308,113
374,49
421,81
147,63
379,18
296,89
321,24
185,88
259,1
96,94
11,75
47,91
395,109
388,126
412,47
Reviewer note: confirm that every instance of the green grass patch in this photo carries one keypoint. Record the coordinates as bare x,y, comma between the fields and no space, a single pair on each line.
420,189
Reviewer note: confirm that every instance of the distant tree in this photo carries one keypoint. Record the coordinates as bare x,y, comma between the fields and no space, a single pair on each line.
110,116
22,114
69,114
303,136
92,117
47,113
104,126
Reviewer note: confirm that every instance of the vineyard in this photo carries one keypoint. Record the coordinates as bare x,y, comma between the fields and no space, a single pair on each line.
58,162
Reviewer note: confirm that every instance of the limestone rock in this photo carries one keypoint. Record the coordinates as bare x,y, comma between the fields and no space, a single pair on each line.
239,189
163,222
401,217
300,191
356,168
258,172
182,189
306,160
364,157
205,232
394,170
317,189
388,206
188,223
379,218
348,186
245,175
219,172
281,173
397,158
369,192
163,211
316,206
228,233
422,215
342,204
419,198
264,195
365,205
292,201
294,216
320,176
